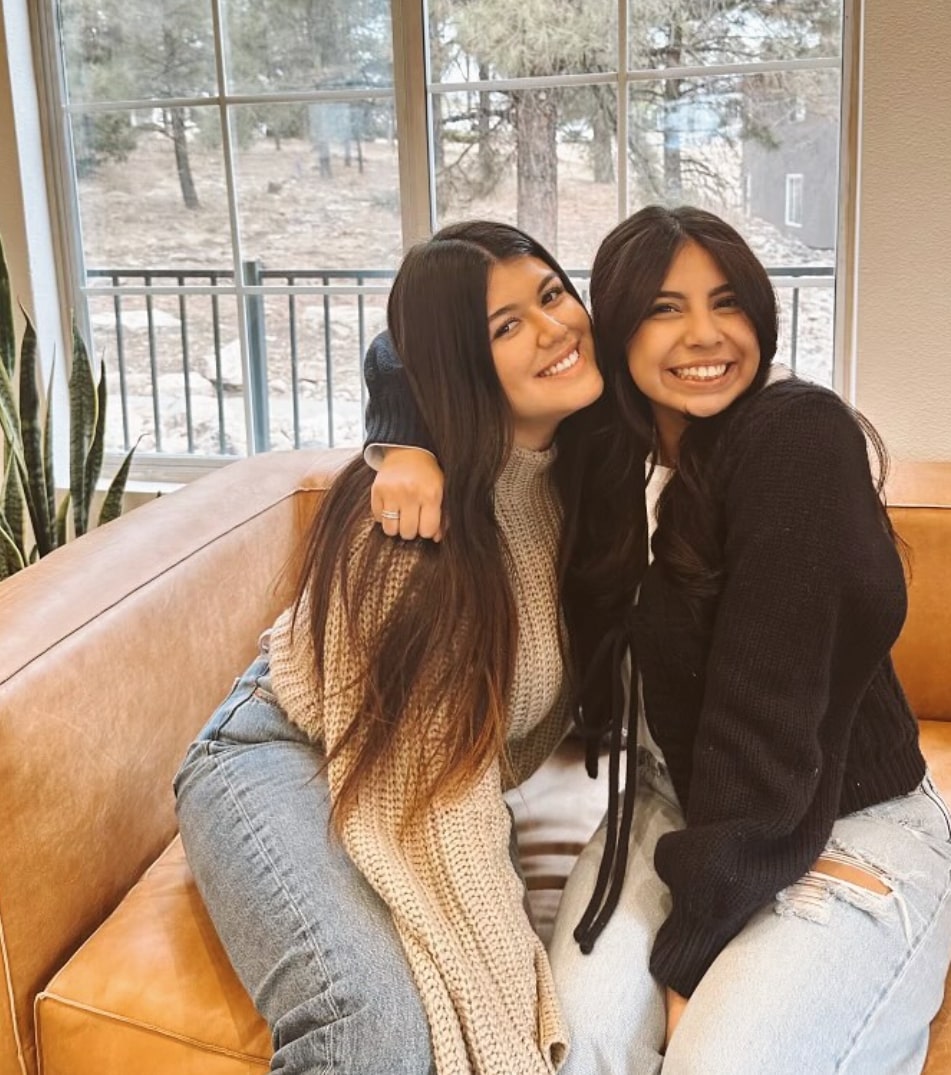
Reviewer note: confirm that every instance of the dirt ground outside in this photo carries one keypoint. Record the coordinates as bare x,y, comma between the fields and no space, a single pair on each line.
290,217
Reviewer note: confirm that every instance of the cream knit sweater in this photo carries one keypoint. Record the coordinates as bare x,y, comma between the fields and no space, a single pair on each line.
449,882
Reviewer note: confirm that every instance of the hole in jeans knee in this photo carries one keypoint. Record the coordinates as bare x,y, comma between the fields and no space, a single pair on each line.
837,875
853,872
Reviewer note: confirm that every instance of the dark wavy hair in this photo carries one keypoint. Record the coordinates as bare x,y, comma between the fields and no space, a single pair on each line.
615,438
629,269
450,640
610,552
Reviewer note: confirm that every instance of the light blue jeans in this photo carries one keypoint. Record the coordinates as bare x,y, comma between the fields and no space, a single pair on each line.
831,977
311,941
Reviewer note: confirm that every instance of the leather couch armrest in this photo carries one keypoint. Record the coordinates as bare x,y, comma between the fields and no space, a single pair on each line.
116,649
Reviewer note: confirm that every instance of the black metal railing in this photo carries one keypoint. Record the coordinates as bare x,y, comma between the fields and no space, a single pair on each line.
306,331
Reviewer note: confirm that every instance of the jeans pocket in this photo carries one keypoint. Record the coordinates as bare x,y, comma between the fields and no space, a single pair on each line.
263,689
922,811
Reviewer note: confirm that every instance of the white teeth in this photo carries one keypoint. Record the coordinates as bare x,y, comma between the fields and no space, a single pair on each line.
559,367
700,373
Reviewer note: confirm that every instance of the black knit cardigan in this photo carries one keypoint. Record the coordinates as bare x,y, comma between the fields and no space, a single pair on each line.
776,705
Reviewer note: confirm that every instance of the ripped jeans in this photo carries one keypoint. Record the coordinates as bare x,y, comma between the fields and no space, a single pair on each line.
833,977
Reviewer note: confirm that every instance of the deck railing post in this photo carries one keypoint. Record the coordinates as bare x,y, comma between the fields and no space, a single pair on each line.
257,358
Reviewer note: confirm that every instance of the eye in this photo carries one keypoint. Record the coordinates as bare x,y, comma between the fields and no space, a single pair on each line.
727,302
662,308
505,328
552,294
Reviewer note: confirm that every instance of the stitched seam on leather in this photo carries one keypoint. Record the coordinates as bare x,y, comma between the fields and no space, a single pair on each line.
153,578
11,998
113,1017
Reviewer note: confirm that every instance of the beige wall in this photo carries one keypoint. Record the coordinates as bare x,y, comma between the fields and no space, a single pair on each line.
903,304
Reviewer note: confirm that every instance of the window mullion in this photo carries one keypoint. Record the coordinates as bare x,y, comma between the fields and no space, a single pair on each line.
412,119
227,152
622,116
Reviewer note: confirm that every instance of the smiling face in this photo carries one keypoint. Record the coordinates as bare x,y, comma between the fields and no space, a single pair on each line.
542,348
696,351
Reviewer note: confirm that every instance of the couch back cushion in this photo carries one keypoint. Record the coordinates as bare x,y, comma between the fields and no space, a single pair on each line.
919,503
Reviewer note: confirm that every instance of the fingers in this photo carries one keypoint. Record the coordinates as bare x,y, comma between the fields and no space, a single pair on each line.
390,520
409,524
430,515
675,1009
377,505
406,495
400,523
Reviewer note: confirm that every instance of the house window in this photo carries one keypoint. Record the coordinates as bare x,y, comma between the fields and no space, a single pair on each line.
794,200
240,177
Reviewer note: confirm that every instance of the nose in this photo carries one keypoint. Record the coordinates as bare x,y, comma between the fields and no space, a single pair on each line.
702,329
550,330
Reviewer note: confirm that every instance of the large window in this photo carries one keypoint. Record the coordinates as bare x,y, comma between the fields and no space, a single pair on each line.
244,174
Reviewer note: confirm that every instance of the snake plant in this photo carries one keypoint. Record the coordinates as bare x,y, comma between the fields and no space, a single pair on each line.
32,524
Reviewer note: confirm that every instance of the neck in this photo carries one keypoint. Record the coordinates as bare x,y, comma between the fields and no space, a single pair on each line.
668,446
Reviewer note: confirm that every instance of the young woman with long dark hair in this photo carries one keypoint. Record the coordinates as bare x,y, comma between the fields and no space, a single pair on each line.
342,811
770,892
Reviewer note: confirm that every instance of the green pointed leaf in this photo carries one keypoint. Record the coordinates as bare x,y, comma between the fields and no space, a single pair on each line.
48,454
8,343
10,426
82,424
9,418
112,505
11,559
13,507
62,518
94,458
31,414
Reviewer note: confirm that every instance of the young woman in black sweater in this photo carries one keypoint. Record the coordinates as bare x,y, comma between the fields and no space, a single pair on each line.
770,895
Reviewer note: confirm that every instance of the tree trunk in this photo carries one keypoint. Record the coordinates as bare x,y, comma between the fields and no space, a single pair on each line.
673,187
189,194
602,137
535,124
673,117
486,155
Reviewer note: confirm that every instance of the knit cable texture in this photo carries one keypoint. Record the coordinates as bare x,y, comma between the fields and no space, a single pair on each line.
449,881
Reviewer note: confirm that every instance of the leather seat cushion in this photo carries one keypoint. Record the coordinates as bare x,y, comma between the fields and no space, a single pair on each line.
152,990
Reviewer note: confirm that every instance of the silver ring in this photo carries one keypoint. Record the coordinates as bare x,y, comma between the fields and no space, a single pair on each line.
390,514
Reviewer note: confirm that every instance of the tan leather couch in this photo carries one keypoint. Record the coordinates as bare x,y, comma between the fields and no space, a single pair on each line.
115,650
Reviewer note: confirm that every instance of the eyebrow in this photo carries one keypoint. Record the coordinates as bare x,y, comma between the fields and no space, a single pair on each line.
680,295
503,310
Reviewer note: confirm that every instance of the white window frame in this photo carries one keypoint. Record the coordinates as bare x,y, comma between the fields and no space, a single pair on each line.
417,182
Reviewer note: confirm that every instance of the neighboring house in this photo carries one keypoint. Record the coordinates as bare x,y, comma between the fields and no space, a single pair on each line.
788,184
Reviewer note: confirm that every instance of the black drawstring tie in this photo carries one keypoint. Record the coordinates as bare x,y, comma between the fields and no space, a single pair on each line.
607,889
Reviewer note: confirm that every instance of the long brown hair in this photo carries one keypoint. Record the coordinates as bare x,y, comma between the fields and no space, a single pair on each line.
450,638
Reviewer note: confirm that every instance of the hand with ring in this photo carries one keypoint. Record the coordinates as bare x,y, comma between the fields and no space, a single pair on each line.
406,497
